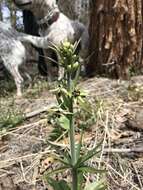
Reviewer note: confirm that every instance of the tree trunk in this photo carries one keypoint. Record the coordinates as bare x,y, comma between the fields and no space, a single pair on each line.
116,33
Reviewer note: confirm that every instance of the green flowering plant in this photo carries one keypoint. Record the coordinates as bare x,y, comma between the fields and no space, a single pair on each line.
69,96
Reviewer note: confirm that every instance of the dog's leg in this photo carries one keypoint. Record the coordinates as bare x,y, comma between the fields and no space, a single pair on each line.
48,58
29,80
52,64
12,67
84,51
40,42
17,58
18,80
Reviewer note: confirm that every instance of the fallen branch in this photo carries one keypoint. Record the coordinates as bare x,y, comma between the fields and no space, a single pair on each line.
38,111
107,150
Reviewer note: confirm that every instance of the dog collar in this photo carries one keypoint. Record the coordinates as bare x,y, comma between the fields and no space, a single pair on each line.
49,20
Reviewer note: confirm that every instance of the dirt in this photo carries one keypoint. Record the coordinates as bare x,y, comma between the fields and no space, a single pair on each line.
119,121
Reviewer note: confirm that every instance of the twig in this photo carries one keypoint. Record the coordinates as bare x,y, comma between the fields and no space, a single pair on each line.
139,180
22,170
121,176
124,150
24,127
104,142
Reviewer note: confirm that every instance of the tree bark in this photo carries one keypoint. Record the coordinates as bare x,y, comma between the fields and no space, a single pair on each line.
116,37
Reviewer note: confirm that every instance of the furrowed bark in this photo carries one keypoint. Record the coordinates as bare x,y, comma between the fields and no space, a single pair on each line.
116,32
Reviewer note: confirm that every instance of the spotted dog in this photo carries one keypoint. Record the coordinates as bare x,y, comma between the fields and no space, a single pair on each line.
12,53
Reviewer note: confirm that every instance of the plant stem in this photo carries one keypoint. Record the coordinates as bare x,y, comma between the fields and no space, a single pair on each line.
74,179
72,135
73,149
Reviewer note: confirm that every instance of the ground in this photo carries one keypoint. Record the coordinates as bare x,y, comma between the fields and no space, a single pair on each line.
118,110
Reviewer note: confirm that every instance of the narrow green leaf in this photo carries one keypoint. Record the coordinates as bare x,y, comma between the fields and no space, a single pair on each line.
79,145
59,99
60,152
63,161
76,45
66,101
64,91
84,104
89,169
76,79
89,155
100,185
67,157
66,160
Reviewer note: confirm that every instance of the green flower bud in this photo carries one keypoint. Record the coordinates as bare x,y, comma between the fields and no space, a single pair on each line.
66,44
75,65
69,67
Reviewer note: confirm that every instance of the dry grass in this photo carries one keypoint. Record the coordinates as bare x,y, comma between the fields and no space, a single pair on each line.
24,151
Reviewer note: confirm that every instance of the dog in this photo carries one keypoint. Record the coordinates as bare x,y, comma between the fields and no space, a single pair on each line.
54,29
12,54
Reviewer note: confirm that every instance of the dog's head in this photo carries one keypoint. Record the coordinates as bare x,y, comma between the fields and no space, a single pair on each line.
29,4
23,4
40,8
